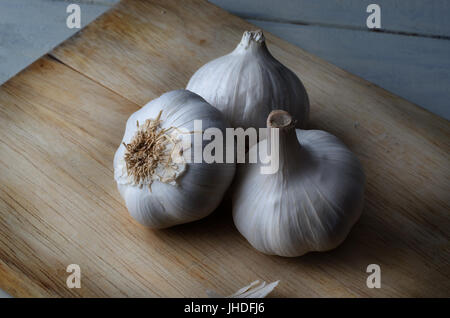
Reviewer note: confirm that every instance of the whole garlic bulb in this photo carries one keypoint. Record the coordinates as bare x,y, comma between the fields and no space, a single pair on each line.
159,191
247,84
310,203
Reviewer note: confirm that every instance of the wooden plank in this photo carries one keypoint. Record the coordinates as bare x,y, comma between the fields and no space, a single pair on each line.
30,29
417,69
410,16
59,205
59,132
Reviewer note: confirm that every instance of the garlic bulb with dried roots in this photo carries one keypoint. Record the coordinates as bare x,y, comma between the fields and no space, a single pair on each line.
247,84
154,165
310,203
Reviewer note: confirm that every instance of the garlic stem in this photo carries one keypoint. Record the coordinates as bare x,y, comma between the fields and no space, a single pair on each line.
252,36
287,137
280,119
253,41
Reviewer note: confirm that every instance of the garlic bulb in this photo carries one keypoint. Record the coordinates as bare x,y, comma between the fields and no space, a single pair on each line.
161,185
247,84
310,203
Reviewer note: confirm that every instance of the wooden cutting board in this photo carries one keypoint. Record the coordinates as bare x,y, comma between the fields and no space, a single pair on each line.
63,117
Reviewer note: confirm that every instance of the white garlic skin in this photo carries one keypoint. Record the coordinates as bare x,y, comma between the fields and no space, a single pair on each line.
247,84
199,189
310,204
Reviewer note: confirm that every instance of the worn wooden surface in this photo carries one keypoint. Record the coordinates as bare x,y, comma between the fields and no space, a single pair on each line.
62,119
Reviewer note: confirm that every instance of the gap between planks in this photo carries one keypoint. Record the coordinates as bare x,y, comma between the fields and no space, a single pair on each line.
345,27
54,58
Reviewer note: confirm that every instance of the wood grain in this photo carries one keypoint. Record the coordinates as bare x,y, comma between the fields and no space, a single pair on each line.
62,119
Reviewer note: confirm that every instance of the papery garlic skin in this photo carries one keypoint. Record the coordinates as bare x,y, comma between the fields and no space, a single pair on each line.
198,188
247,84
310,204
254,290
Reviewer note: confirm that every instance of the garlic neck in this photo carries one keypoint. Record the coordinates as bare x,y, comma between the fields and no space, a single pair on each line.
290,150
252,41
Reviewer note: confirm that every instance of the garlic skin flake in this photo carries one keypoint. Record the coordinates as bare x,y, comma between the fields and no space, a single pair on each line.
170,192
310,203
251,291
247,84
